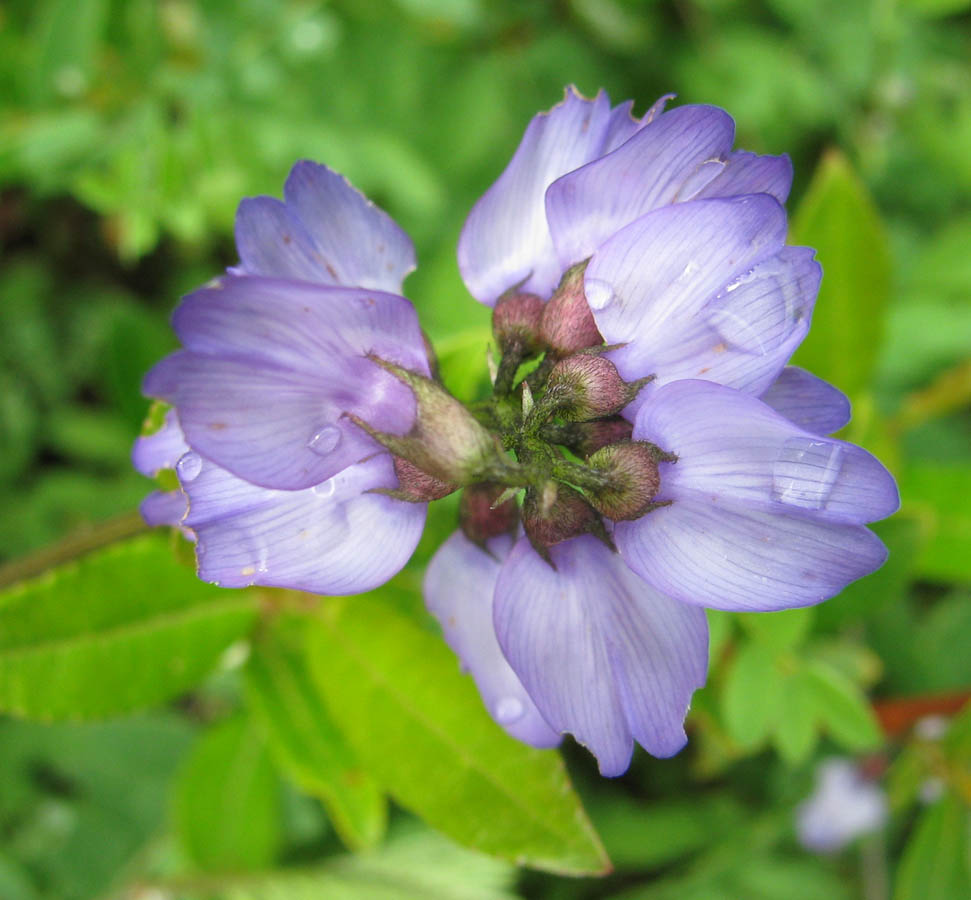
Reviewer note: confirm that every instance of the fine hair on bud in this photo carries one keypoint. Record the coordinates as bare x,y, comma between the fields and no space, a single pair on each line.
481,518
588,387
516,322
555,513
568,324
633,480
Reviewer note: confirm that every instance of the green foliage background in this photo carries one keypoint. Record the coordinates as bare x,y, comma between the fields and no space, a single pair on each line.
163,735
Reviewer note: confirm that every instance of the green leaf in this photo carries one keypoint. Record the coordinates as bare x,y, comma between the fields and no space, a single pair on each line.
396,691
779,630
842,708
640,834
938,494
838,218
753,694
227,799
304,739
120,629
795,731
936,862
414,865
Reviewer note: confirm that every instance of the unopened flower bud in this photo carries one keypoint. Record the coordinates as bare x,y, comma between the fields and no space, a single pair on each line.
585,438
555,513
632,480
516,323
414,485
445,441
588,387
481,519
568,324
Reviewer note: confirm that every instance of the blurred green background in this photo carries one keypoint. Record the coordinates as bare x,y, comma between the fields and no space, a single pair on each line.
130,129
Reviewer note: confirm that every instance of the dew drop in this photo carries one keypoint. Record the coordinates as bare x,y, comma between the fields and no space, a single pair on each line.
806,471
599,293
325,439
189,466
509,710
325,488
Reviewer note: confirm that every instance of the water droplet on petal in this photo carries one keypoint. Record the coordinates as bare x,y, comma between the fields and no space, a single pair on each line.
805,472
599,293
189,466
689,270
509,710
325,488
325,439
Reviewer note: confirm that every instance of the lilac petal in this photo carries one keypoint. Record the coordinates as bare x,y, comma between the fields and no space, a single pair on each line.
731,447
749,173
730,556
808,401
587,206
744,335
717,279
458,591
505,240
152,453
603,656
355,239
272,242
272,367
163,508
334,538
326,232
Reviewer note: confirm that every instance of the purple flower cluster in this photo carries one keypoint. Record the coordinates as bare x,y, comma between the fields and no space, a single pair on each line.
642,265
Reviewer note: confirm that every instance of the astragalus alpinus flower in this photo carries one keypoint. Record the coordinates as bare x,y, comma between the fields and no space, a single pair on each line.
652,247
657,456
277,485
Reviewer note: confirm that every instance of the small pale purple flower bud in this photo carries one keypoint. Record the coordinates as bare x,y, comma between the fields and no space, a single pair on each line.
445,441
556,513
516,323
481,519
633,480
568,324
588,387
601,433
416,486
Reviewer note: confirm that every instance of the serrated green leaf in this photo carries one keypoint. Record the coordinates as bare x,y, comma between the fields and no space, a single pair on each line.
304,739
120,629
842,708
753,694
838,218
227,799
936,862
420,727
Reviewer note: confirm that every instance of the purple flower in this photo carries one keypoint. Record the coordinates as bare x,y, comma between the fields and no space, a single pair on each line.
842,807
278,486
683,239
609,646
653,235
